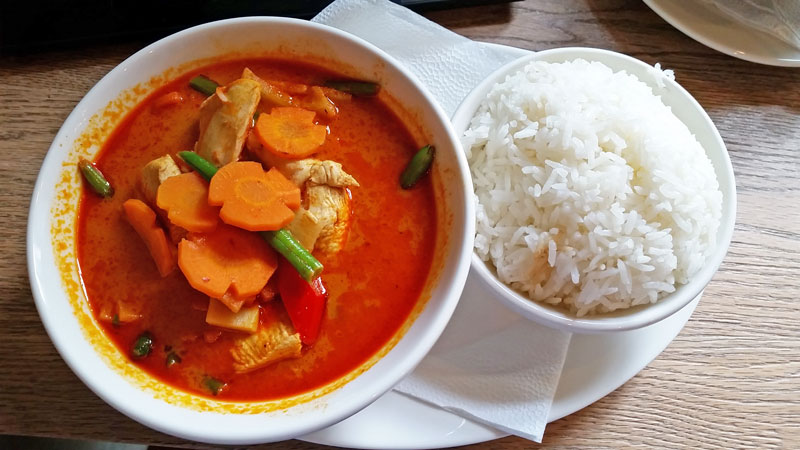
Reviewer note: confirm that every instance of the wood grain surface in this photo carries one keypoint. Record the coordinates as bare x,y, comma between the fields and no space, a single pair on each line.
731,379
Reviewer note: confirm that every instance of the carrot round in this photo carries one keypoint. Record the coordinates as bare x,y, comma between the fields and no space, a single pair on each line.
253,199
290,132
185,199
143,220
288,192
227,263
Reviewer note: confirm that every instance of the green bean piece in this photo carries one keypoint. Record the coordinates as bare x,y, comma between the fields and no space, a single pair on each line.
419,165
143,345
200,164
357,88
212,384
203,84
172,359
301,259
95,178
282,240
115,321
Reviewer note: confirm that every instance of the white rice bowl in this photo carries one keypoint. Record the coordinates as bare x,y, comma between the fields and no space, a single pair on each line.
591,194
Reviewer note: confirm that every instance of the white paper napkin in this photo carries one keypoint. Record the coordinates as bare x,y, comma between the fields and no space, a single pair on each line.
448,64
490,365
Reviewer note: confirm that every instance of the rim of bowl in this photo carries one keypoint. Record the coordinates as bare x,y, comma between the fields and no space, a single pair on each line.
343,407
641,316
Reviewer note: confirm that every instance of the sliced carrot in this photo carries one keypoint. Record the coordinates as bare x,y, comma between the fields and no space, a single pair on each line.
143,220
227,262
262,216
283,187
185,199
253,199
290,132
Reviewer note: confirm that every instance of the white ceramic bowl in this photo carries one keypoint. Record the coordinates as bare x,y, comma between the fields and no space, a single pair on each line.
692,114
51,238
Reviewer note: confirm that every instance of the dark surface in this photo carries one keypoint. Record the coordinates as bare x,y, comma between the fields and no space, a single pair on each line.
36,25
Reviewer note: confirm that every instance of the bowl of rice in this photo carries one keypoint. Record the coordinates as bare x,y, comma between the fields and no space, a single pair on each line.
604,194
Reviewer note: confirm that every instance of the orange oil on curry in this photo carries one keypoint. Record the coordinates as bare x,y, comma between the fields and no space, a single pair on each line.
373,284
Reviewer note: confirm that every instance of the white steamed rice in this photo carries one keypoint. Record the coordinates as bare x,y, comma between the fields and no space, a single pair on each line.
590,192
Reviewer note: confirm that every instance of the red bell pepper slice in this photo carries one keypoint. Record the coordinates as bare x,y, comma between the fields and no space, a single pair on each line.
304,301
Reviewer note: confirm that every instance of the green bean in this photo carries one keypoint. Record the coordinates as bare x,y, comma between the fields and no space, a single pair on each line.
143,345
357,88
212,384
301,259
95,178
203,84
115,321
200,164
419,165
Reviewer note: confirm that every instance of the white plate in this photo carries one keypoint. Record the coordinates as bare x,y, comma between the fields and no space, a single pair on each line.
718,31
595,366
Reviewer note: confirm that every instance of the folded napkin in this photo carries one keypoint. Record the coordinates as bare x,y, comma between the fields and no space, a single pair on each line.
779,18
490,365
448,64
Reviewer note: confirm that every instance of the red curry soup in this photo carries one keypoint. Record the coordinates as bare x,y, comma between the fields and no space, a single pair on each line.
214,287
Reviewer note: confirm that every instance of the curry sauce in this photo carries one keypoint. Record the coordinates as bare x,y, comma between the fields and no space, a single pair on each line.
373,282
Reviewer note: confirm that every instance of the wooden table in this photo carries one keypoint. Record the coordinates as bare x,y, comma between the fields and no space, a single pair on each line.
730,379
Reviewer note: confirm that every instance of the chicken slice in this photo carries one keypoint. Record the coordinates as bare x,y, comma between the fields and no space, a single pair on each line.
331,207
271,343
305,228
154,173
327,172
225,118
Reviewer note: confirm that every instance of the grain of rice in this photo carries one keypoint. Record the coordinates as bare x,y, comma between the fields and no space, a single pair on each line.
591,166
